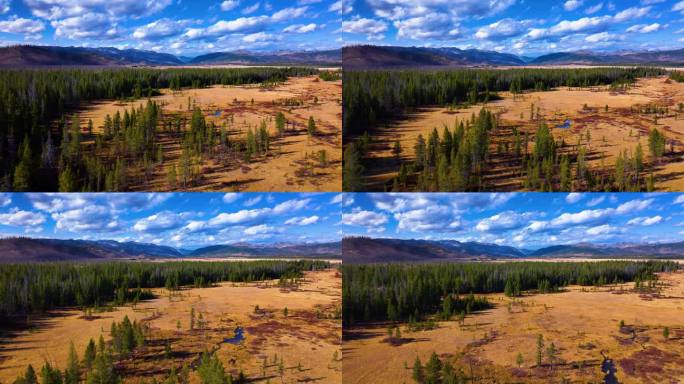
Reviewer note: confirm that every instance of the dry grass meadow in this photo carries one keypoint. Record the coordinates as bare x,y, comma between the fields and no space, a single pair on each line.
306,339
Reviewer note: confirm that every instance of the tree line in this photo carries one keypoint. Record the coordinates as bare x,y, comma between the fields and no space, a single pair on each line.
412,291
26,289
32,100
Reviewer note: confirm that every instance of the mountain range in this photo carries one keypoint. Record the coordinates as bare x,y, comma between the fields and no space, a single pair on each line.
365,250
29,250
39,56
372,56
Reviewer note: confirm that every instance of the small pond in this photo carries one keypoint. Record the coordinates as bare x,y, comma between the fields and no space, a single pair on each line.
237,339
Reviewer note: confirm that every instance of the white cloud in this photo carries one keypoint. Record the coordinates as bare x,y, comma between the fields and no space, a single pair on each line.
344,199
503,29
5,199
289,14
88,25
161,221
596,201
431,26
645,221
571,5
374,29
253,201
230,197
574,197
258,230
593,9
59,9
300,28
22,26
89,218
602,230
160,29
20,218
601,37
290,206
4,6
302,220
342,7
229,5
504,221
239,217
679,7
644,28
364,218
252,8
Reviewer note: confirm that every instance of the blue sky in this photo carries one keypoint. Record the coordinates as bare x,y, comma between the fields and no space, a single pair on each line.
187,220
527,27
527,220
187,27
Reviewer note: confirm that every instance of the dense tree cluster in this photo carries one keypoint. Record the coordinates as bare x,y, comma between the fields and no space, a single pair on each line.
407,291
36,156
38,287
436,371
376,95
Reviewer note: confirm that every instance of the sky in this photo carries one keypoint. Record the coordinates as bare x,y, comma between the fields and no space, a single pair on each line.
185,220
523,220
182,27
523,27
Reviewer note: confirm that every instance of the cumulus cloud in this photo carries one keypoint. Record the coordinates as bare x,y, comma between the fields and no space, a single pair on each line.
58,9
251,9
645,221
258,229
158,222
574,197
230,197
89,218
343,199
5,199
302,220
503,29
87,25
160,29
571,5
373,29
229,5
342,7
363,218
300,28
504,221
22,26
645,28
21,218
590,25
430,26
593,9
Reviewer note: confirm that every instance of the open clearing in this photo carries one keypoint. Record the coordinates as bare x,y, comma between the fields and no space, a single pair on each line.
621,127
306,339
583,324
293,162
